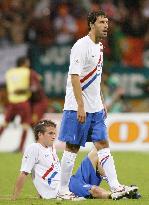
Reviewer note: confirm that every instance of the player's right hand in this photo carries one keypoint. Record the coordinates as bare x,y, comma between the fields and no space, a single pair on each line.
81,114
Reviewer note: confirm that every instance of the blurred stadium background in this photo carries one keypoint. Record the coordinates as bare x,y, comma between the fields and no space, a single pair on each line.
45,30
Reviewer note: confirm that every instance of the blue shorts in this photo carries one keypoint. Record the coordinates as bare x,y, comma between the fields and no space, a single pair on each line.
73,132
80,188
82,181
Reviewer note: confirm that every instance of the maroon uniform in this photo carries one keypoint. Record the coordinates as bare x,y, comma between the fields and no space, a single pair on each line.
22,109
38,100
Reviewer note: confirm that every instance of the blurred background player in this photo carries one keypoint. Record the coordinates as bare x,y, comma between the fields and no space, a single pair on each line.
36,101
18,91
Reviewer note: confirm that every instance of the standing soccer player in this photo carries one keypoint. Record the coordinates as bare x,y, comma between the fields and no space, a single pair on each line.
84,112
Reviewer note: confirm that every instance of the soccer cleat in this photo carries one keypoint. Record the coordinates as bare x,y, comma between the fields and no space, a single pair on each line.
118,193
123,191
69,196
65,196
135,195
78,198
130,190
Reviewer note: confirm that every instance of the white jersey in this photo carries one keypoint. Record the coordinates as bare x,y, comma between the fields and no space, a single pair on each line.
43,164
86,60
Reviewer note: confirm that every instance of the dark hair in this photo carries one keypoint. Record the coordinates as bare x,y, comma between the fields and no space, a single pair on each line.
92,17
21,61
41,126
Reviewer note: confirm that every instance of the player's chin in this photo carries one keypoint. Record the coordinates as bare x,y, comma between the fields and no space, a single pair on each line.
52,140
104,34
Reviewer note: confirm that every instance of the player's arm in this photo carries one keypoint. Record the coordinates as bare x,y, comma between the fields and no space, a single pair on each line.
75,80
19,185
77,61
28,162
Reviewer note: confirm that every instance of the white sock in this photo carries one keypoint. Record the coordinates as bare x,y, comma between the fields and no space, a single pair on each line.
107,162
67,164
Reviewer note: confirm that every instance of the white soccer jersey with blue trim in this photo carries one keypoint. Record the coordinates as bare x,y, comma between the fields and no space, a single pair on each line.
44,165
86,60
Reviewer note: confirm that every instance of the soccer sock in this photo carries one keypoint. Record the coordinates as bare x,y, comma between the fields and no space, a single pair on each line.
23,138
67,164
107,162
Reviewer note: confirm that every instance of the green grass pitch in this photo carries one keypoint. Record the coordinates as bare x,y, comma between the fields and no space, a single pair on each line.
132,168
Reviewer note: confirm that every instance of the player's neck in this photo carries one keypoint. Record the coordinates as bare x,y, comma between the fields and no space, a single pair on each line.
43,145
94,38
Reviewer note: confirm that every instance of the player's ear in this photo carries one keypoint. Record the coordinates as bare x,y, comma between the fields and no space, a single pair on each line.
39,135
91,25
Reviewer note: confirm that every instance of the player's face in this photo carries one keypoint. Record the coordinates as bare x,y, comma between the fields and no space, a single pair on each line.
49,136
101,27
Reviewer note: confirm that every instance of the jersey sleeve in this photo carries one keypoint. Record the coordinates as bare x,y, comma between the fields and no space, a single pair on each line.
29,159
77,59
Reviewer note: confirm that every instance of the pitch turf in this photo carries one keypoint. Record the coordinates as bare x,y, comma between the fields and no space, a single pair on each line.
132,168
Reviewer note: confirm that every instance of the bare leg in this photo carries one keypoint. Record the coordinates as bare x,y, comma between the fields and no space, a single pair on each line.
100,193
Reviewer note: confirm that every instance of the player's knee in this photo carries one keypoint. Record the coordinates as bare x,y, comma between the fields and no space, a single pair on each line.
101,144
72,147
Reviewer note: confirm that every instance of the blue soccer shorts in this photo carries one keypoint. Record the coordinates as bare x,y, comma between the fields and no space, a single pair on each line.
80,188
84,179
73,132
